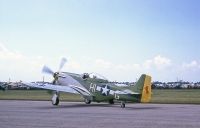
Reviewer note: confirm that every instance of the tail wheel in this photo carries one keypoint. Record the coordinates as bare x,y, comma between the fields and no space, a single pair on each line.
55,99
87,101
123,104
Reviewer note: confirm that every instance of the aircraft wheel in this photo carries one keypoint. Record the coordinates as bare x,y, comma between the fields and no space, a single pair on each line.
55,99
111,101
87,101
123,105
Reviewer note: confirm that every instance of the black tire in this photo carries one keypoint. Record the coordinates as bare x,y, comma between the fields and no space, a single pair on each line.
87,101
56,101
111,101
123,105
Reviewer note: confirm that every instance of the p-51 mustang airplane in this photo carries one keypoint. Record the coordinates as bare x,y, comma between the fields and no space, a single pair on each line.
93,87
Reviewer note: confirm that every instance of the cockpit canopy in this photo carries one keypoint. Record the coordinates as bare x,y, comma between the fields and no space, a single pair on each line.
94,76
85,76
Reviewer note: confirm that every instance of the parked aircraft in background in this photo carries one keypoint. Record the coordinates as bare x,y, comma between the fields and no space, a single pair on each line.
2,86
11,85
94,88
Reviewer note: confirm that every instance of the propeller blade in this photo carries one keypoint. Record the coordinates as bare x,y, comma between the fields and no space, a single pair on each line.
62,63
47,70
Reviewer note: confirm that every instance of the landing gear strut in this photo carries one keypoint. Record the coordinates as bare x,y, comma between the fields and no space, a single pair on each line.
55,99
111,101
87,101
122,104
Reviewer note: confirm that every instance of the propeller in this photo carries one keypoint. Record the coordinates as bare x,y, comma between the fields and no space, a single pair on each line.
47,70
62,63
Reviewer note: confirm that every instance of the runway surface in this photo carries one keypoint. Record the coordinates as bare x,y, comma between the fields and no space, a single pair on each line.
41,114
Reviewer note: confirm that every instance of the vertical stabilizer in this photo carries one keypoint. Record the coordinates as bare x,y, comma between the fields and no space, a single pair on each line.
143,86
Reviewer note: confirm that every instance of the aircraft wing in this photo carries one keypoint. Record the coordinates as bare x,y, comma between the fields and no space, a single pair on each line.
51,87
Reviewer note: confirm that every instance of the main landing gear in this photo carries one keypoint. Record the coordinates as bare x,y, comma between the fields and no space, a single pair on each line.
111,101
123,104
87,101
55,99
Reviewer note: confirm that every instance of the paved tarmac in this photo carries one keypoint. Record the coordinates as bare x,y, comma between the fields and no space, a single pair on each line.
41,114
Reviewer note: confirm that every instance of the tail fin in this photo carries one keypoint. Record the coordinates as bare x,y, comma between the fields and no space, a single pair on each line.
143,86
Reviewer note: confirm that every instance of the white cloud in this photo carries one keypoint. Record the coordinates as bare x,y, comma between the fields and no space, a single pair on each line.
74,65
158,62
127,67
191,65
21,67
18,66
148,64
103,63
9,55
126,70
3,48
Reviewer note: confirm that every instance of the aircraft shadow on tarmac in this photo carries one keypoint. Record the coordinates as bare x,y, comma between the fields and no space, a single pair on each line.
79,105
142,108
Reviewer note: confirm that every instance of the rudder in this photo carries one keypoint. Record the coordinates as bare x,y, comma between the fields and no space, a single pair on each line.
146,92
143,87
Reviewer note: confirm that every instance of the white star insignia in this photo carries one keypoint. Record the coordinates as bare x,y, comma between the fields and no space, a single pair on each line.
105,90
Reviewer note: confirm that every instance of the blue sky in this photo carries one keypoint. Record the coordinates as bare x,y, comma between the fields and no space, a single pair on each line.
119,39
